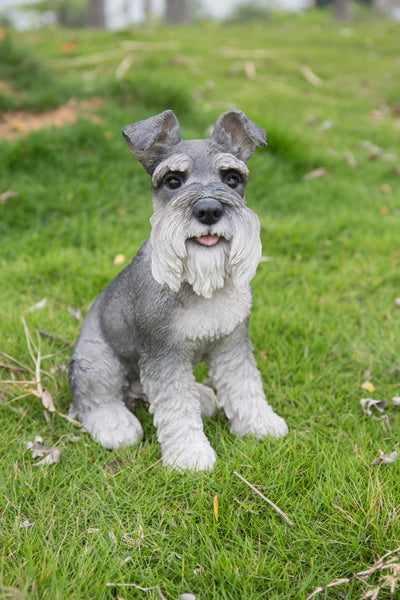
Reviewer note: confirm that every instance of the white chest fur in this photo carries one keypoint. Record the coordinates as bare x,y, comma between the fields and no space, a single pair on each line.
200,318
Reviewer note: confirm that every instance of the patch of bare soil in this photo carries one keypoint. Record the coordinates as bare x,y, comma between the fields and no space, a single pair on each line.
13,124
7,88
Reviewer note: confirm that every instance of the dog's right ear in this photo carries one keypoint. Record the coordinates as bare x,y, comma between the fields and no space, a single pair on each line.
238,135
150,140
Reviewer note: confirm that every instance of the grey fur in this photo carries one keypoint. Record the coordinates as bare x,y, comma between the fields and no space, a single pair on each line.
184,298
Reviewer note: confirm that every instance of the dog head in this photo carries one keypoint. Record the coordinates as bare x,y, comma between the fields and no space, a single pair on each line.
202,229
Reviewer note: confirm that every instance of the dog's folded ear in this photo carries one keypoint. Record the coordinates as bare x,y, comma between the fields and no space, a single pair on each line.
238,135
151,139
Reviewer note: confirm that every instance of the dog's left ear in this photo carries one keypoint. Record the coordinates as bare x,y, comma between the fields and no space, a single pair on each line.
238,135
151,139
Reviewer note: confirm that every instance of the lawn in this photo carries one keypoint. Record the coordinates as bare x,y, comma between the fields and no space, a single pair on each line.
75,207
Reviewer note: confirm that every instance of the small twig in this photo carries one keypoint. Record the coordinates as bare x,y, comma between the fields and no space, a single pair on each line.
17,362
40,391
362,575
382,558
153,465
283,515
17,370
138,587
30,344
14,399
77,424
18,382
161,594
50,336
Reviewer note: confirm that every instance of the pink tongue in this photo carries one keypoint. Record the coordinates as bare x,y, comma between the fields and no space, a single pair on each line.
208,240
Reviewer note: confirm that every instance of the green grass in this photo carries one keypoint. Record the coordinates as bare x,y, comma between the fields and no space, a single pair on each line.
323,321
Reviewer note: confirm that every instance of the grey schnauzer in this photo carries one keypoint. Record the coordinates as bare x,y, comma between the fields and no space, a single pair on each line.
185,298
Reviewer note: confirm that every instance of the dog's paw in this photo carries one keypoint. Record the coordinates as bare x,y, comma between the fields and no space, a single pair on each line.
112,426
195,456
208,400
263,422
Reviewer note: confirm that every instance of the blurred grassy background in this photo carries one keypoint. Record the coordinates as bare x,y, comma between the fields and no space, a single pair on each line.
324,318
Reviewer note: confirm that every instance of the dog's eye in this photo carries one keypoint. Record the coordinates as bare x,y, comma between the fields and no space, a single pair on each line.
173,181
232,178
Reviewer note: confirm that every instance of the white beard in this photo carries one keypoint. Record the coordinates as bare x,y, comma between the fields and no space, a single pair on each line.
205,268
178,258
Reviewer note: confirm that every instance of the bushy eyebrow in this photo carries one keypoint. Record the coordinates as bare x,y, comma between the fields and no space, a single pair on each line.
226,162
177,163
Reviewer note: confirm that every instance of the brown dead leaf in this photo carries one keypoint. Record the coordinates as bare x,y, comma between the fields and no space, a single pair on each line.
179,61
68,47
115,466
384,459
396,109
377,115
37,445
373,149
327,124
53,457
75,313
386,188
264,355
51,454
5,196
46,398
310,120
25,523
124,67
250,69
319,173
39,305
349,158
310,76
376,152
368,403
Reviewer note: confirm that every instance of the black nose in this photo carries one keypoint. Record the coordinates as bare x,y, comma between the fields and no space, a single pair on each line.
208,211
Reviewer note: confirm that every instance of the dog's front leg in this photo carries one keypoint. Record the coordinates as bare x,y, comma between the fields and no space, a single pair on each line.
234,373
175,403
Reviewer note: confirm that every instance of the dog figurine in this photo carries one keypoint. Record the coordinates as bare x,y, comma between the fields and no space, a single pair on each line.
185,298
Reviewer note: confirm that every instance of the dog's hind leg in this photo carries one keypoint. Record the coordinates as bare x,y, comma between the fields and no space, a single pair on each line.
208,400
234,373
96,379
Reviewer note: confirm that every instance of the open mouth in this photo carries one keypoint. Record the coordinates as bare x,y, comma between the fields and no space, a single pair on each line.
207,240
